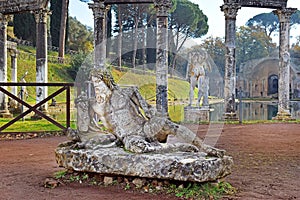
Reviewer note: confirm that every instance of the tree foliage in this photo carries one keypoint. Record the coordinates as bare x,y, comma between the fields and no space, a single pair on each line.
252,43
25,27
134,25
269,21
296,46
80,36
55,7
215,47
186,21
138,24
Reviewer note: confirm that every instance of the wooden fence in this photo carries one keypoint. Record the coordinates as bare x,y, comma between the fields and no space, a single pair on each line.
62,87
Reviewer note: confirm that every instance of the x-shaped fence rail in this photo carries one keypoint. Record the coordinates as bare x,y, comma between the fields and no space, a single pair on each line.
63,87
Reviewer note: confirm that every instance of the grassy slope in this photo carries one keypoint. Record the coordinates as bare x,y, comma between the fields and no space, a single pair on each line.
58,73
177,89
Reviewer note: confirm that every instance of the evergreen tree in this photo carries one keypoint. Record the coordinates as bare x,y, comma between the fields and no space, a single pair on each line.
25,27
55,19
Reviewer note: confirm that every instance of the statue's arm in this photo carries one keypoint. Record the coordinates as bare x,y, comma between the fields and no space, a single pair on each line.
142,103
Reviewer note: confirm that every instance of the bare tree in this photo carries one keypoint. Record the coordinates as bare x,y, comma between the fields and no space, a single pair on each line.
63,27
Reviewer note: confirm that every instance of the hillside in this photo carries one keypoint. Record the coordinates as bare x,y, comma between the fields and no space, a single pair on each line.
26,63
177,89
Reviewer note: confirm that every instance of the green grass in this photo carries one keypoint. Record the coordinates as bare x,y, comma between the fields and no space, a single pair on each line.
177,89
56,73
202,191
60,174
32,125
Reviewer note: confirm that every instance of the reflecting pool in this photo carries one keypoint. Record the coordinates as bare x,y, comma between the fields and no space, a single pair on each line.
250,110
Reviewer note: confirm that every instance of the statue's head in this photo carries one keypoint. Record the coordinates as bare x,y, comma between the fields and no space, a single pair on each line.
103,75
103,83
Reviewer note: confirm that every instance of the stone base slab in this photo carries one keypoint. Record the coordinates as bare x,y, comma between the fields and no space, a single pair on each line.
181,166
230,117
5,114
283,116
196,114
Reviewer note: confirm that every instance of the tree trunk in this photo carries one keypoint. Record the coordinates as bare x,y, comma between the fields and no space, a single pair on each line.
120,37
135,40
63,27
144,47
109,32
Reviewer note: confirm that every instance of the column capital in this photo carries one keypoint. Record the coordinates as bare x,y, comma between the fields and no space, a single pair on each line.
41,15
230,10
284,15
162,7
99,9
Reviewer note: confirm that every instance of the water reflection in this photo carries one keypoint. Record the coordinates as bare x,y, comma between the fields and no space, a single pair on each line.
250,111
256,110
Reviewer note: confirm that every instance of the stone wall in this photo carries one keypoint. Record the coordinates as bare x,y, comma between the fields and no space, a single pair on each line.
254,75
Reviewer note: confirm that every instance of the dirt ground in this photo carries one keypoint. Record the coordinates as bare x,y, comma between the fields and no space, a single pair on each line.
266,157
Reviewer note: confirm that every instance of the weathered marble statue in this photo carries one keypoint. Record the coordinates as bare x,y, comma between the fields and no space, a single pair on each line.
197,71
132,139
130,121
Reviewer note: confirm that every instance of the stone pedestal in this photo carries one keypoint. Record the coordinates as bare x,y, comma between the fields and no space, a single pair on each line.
196,114
5,114
182,166
284,116
230,116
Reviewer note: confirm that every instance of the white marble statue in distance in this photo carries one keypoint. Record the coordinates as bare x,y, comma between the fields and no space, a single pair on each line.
197,71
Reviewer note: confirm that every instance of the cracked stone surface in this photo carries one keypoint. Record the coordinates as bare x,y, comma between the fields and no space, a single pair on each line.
182,166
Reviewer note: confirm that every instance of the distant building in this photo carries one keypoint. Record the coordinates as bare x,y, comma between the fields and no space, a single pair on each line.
259,78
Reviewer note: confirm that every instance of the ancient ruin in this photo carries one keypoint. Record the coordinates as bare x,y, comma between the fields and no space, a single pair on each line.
230,9
259,78
134,139
198,68
100,8
39,8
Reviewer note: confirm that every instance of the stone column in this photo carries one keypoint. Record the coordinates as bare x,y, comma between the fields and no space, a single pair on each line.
99,11
230,10
162,8
14,70
3,64
41,56
284,16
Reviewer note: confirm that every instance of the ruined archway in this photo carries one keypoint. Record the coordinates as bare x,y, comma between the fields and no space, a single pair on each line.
230,9
272,84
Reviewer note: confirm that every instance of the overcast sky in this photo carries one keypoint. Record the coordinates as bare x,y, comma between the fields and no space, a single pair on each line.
211,8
